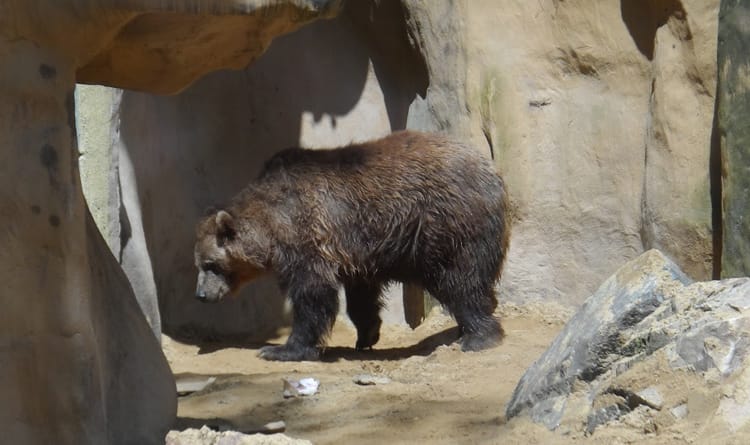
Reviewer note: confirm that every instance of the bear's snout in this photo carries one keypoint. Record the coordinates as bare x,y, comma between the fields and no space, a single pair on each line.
200,294
211,287
203,297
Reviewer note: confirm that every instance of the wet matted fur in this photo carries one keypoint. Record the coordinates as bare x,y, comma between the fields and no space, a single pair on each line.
410,207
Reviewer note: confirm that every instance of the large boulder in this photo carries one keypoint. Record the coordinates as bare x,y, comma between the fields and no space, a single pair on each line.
650,345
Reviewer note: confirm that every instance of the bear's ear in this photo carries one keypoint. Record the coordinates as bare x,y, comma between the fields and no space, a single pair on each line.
225,230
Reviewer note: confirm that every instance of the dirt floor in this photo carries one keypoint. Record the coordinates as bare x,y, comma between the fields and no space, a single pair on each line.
436,394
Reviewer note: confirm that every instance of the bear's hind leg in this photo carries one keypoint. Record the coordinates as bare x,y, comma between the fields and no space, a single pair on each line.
479,331
314,308
363,306
472,303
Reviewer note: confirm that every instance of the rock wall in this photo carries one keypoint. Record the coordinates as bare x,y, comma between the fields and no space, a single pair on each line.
734,139
96,127
78,361
600,118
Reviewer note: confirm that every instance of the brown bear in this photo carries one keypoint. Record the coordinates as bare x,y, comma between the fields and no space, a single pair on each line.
410,207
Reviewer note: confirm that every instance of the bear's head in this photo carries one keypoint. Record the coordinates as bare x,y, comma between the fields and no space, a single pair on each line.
227,256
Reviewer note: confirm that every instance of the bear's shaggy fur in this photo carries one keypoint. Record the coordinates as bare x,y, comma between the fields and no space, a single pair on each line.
411,207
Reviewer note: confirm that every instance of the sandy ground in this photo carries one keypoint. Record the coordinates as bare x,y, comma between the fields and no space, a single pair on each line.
436,394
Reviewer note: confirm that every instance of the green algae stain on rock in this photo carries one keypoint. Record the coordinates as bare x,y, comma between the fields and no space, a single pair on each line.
734,111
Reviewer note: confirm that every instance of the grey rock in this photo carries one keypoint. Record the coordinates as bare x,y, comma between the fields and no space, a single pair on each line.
680,411
604,415
646,316
190,384
651,397
595,338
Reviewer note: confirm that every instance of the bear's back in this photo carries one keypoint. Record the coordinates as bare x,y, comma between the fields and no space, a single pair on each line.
402,158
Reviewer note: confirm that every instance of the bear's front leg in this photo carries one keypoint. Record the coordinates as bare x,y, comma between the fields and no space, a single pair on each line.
314,308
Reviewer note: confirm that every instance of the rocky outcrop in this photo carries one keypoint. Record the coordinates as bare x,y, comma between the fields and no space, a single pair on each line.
176,39
78,361
648,346
734,135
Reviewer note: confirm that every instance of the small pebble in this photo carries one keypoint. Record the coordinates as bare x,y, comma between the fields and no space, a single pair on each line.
369,379
189,385
680,411
652,397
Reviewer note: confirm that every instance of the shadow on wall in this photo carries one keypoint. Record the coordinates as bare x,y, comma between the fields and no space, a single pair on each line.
656,14
335,79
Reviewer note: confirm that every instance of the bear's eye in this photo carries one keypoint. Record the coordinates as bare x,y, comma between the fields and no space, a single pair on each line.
212,267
